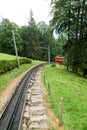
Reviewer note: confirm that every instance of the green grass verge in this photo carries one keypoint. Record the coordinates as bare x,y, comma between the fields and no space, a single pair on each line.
73,89
7,77
4,56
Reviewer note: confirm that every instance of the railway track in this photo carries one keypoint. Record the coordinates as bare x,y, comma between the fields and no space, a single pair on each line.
12,115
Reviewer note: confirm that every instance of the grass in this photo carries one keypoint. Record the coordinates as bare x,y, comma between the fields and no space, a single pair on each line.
4,56
7,77
73,89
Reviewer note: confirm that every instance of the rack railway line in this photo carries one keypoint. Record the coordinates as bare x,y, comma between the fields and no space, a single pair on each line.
12,115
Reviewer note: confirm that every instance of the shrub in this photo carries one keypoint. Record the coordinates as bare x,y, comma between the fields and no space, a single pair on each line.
53,65
6,65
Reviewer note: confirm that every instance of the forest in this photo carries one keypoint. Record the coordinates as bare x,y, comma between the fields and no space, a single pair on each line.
69,22
32,40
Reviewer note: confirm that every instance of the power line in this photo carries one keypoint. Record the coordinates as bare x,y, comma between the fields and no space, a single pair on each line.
46,48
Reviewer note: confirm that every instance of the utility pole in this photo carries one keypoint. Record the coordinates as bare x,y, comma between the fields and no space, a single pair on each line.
14,44
15,48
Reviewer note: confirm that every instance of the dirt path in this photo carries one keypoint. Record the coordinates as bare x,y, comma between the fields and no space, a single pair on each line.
7,93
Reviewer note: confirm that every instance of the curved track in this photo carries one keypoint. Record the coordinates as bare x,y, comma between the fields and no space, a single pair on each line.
11,117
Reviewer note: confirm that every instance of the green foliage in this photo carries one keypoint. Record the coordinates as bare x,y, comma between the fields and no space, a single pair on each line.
9,75
4,56
46,38
69,18
6,65
73,90
6,40
32,40
24,36
53,65
36,39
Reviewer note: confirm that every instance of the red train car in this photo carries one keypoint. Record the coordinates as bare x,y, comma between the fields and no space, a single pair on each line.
59,59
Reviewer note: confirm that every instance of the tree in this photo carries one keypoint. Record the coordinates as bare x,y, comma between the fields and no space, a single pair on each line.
69,17
33,38
6,40
24,36
47,39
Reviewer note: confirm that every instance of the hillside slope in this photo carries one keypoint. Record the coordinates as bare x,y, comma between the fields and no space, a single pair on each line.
4,56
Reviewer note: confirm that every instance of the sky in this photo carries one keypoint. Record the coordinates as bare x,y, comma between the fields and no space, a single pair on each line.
18,10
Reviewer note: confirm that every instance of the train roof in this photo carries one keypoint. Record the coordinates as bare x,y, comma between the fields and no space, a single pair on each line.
59,56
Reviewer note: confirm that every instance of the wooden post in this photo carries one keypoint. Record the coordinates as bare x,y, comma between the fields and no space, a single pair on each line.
60,112
49,89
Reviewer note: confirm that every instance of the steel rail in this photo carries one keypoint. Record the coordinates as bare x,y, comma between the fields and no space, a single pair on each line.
11,117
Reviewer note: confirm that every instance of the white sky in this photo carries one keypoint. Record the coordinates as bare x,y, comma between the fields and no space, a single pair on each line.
18,10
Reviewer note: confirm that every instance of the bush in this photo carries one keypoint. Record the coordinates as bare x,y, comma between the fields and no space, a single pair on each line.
6,65
53,65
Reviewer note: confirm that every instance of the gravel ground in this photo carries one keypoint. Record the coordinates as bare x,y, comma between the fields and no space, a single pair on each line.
7,93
